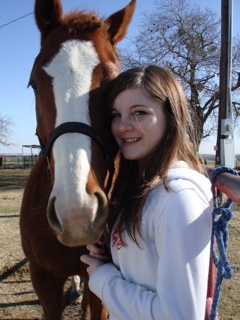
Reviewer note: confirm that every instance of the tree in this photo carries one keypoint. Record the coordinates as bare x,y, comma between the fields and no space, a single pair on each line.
183,38
5,130
236,76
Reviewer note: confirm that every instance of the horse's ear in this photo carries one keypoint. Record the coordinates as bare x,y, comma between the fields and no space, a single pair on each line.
119,21
48,15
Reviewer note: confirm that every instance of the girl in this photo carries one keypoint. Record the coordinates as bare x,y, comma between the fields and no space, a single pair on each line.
160,210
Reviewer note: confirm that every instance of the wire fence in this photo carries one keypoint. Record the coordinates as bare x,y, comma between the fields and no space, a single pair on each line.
18,161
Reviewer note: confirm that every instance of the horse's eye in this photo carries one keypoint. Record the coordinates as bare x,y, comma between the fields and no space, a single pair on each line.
33,85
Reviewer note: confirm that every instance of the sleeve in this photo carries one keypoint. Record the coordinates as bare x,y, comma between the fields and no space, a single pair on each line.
182,235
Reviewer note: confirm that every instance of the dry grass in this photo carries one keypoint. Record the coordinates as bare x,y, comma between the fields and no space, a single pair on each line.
229,307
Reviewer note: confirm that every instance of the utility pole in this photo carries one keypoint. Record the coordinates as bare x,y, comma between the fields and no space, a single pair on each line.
225,154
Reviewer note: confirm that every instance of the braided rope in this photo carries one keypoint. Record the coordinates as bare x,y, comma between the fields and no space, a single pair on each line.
221,216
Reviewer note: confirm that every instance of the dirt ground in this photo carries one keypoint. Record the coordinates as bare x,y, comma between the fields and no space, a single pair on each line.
17,298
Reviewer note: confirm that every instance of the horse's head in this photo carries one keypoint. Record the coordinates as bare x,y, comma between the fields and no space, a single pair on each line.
70,78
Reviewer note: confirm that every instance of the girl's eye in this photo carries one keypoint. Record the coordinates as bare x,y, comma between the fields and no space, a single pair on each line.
115,116
139,113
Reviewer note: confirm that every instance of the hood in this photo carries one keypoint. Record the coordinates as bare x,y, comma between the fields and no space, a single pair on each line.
180,171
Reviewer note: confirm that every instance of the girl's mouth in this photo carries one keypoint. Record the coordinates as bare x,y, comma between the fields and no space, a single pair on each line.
131,140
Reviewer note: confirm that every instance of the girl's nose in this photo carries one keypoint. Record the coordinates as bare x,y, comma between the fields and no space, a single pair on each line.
125,124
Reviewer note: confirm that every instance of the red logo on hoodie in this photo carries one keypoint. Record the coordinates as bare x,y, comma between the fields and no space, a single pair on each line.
116,241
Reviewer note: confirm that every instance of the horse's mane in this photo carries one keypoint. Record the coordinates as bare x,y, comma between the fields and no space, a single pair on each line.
76,21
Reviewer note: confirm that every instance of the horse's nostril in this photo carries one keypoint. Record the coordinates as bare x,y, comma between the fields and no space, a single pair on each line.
101,214
52,217
102,200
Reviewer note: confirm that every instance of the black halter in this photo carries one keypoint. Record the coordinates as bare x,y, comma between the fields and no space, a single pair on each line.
79,127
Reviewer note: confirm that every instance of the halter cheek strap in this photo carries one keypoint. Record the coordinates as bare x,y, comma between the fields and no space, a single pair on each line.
79,127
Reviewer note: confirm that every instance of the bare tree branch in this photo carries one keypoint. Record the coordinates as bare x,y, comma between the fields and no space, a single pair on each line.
5,130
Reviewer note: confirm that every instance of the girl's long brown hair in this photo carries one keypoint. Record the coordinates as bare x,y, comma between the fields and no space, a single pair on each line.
131,186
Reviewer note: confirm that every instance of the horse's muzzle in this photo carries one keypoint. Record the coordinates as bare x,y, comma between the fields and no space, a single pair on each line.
79,226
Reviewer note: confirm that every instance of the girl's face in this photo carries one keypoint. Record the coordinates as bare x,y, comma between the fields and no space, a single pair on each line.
138,124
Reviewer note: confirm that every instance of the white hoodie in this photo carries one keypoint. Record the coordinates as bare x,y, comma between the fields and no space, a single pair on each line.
166,277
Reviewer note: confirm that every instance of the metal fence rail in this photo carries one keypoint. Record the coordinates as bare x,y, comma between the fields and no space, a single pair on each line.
229,184
19,161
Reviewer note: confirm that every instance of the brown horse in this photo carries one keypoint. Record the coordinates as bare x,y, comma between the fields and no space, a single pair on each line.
65,203
1,160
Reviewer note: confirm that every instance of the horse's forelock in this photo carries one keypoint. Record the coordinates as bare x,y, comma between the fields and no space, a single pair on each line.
76,22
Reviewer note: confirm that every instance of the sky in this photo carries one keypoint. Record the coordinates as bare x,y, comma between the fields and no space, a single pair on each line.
20,43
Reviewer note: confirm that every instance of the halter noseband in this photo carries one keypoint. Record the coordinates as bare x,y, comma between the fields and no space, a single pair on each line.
79,127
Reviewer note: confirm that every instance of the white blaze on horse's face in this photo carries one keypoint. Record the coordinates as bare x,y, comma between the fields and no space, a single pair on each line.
71,71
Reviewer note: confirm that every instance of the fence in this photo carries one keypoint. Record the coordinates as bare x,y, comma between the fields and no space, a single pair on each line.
19,161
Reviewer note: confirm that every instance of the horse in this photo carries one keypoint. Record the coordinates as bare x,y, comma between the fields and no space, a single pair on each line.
1,160
65,201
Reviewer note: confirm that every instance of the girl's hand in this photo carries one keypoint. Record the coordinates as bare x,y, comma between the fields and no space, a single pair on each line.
93,263
97,257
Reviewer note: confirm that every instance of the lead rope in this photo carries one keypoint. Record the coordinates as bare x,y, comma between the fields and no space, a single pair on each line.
221,216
